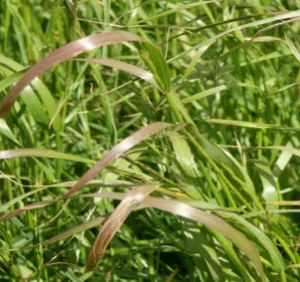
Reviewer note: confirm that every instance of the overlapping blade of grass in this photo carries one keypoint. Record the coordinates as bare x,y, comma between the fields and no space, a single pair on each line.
213,222
114,222
209,150
29,207
293,48
261,90
287,15
31,100
186,164
283,160
15,70
115,152
184,155
274,255
62,54
270,192
17,199
204,94
207,219
9,80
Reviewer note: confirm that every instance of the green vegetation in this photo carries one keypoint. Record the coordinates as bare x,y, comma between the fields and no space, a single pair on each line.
152,140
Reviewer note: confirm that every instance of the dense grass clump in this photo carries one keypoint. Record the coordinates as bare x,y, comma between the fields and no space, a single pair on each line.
149,140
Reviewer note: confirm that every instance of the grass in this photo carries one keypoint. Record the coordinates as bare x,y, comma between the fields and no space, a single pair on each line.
164,147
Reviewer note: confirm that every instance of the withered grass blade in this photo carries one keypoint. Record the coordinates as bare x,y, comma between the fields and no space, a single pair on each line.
136,71
116,151
114,222
62,54
29,207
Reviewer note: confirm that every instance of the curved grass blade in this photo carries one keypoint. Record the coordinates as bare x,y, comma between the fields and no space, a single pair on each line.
116,151
270,193
5,130
282,162
184,155
212,221
29,97
274,255
293,48
204,94
114,222
139,72
79,228
64,53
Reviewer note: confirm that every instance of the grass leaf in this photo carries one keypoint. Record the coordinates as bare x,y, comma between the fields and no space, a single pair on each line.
62,54
114,222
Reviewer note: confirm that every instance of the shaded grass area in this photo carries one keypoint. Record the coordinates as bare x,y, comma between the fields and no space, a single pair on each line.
222,76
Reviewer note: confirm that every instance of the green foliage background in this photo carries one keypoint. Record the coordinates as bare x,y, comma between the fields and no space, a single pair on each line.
232,73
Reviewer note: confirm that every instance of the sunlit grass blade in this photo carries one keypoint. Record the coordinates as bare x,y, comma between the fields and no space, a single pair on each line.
283,160
184,155
293,49
211,221
159,66
205,218
62,54
114,222
270,192
260,236
287,15
5,130
116,151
